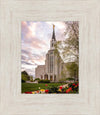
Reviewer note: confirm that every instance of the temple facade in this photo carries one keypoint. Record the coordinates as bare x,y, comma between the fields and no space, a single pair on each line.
54,65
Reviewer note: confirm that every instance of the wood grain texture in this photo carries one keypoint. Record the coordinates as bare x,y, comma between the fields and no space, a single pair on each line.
12,12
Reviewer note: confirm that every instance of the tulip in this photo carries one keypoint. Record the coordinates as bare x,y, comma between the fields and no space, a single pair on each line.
28,92
68,90
60,87
33,92
59,90
46,85
46,91
37,91
73,84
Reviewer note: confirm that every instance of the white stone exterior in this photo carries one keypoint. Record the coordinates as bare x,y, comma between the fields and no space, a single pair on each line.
40,71
53,64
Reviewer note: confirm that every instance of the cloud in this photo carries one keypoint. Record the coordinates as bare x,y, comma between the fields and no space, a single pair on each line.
31,36
35,41
24,62
59,25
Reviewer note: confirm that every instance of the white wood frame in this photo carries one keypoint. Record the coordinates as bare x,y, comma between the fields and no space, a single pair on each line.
12,12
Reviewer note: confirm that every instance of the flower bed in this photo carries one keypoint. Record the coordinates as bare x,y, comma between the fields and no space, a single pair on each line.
67,88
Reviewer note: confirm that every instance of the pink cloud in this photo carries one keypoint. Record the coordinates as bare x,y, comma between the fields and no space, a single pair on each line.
36,42
30,38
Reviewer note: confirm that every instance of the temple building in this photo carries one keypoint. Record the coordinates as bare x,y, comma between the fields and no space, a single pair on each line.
54,65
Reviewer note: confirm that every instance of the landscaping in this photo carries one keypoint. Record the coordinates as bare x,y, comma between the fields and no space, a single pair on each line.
38,86
34,86
47,88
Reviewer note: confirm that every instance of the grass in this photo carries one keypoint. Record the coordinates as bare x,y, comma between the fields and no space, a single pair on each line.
34,87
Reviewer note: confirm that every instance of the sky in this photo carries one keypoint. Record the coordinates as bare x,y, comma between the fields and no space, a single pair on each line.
35,42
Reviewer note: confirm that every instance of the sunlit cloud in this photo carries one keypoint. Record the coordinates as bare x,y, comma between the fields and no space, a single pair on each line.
35,41
59,25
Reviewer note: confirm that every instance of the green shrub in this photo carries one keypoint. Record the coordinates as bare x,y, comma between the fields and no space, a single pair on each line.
53,89
31,80
62,80
44,81
23,81
25,76
37,79
70,78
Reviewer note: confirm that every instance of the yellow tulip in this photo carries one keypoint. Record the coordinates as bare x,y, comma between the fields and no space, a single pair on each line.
42,90
60,90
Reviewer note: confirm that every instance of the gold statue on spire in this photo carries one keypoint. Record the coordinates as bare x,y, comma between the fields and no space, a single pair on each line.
53,26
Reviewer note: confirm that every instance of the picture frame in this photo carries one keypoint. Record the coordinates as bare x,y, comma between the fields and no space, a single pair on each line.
87,102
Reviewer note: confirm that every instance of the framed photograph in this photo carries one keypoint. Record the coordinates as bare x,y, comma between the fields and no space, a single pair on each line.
49,57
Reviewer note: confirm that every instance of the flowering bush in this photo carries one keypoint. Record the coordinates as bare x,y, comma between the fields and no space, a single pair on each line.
53,89
67,88
74,86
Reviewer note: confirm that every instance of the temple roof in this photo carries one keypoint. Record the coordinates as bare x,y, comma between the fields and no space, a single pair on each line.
53,35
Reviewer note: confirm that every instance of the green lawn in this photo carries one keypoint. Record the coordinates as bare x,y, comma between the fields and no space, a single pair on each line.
34,87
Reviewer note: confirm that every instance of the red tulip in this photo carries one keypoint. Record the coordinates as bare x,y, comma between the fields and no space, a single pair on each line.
28,92
46,91
60,87
68,90
73,84
46,85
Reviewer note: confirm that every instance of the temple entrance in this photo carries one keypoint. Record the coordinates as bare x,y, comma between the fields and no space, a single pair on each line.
51,78
41,77
46,77
55,78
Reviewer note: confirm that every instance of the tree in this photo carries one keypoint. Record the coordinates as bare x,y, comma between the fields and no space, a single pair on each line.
24,72
72,68
72,43
31,78
69,48
25,76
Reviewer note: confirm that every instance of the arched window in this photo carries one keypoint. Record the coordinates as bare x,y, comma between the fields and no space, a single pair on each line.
55,78
41,77
52,44
51,78
51,64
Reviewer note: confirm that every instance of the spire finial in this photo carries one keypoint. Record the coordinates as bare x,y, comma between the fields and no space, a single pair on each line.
53,26
53,35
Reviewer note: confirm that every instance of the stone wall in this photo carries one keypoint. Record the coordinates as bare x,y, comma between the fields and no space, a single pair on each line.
40,71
